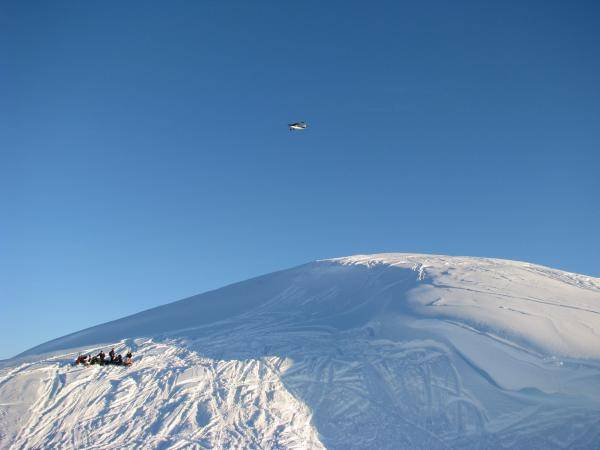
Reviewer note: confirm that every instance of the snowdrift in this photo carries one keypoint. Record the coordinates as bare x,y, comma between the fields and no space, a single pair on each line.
376,351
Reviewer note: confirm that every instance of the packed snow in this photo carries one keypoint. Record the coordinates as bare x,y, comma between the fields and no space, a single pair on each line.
397,351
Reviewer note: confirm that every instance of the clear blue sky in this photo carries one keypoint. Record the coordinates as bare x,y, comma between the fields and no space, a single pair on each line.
145,155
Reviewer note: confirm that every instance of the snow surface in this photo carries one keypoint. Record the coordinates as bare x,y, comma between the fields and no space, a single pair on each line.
375,351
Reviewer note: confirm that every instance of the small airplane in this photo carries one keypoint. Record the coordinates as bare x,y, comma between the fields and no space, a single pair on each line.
298,126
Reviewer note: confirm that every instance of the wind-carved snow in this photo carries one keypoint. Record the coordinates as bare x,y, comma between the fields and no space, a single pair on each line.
375,351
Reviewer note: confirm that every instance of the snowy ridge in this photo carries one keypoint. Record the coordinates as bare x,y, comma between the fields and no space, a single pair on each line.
369,351
555,311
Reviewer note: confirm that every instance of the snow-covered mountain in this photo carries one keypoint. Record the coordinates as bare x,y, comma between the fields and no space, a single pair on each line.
383,351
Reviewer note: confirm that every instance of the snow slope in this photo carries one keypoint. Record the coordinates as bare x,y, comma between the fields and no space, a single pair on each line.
379,351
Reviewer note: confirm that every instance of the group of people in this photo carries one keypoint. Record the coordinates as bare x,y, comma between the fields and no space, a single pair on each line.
100,359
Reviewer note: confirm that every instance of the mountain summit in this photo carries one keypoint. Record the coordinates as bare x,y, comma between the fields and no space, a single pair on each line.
368,351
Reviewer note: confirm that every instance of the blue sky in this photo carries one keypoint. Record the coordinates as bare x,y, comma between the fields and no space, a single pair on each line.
145,155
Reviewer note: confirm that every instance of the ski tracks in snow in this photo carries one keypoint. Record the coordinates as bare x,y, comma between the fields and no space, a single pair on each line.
170,398
384,351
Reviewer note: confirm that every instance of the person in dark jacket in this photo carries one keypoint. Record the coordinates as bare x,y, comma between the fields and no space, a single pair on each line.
101,357
119,360
111,355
